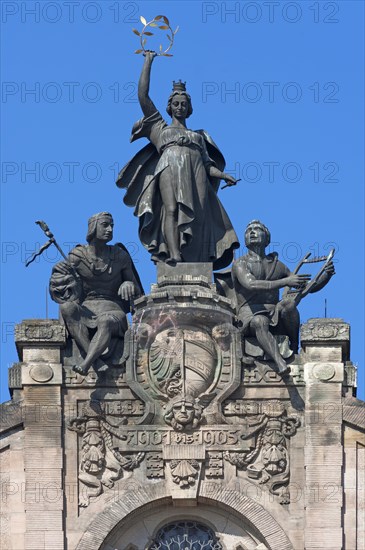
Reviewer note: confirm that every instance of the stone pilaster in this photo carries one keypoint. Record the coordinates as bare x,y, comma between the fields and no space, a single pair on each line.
39,345
325,343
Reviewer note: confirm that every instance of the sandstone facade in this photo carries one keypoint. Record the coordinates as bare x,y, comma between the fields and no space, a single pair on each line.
109,460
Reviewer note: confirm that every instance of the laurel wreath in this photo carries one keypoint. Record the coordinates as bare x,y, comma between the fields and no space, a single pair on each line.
156,23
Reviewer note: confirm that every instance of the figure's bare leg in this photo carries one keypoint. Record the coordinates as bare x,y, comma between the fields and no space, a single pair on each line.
71,313
98,345
261,327
170,229
290,322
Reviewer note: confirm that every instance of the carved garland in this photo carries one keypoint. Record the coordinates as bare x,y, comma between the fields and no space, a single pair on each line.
100,463
268,462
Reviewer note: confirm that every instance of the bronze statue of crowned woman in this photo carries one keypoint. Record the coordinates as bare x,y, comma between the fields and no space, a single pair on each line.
173,181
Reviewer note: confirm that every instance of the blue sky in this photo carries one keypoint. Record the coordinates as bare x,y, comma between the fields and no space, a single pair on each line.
278,85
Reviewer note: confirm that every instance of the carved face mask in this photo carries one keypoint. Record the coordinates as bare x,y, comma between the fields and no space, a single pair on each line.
184,412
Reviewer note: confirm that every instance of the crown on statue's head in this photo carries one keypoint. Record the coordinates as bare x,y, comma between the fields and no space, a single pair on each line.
178,86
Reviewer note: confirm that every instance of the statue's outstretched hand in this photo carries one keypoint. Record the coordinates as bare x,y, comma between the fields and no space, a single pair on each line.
330,268
297,281
230,180
127,290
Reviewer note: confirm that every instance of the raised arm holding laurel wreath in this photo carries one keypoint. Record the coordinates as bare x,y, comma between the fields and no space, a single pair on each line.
173,183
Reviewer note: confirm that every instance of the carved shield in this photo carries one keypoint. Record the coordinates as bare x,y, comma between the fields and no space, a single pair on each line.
183,361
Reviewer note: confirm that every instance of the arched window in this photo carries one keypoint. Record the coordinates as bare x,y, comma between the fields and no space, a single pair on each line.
185,535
